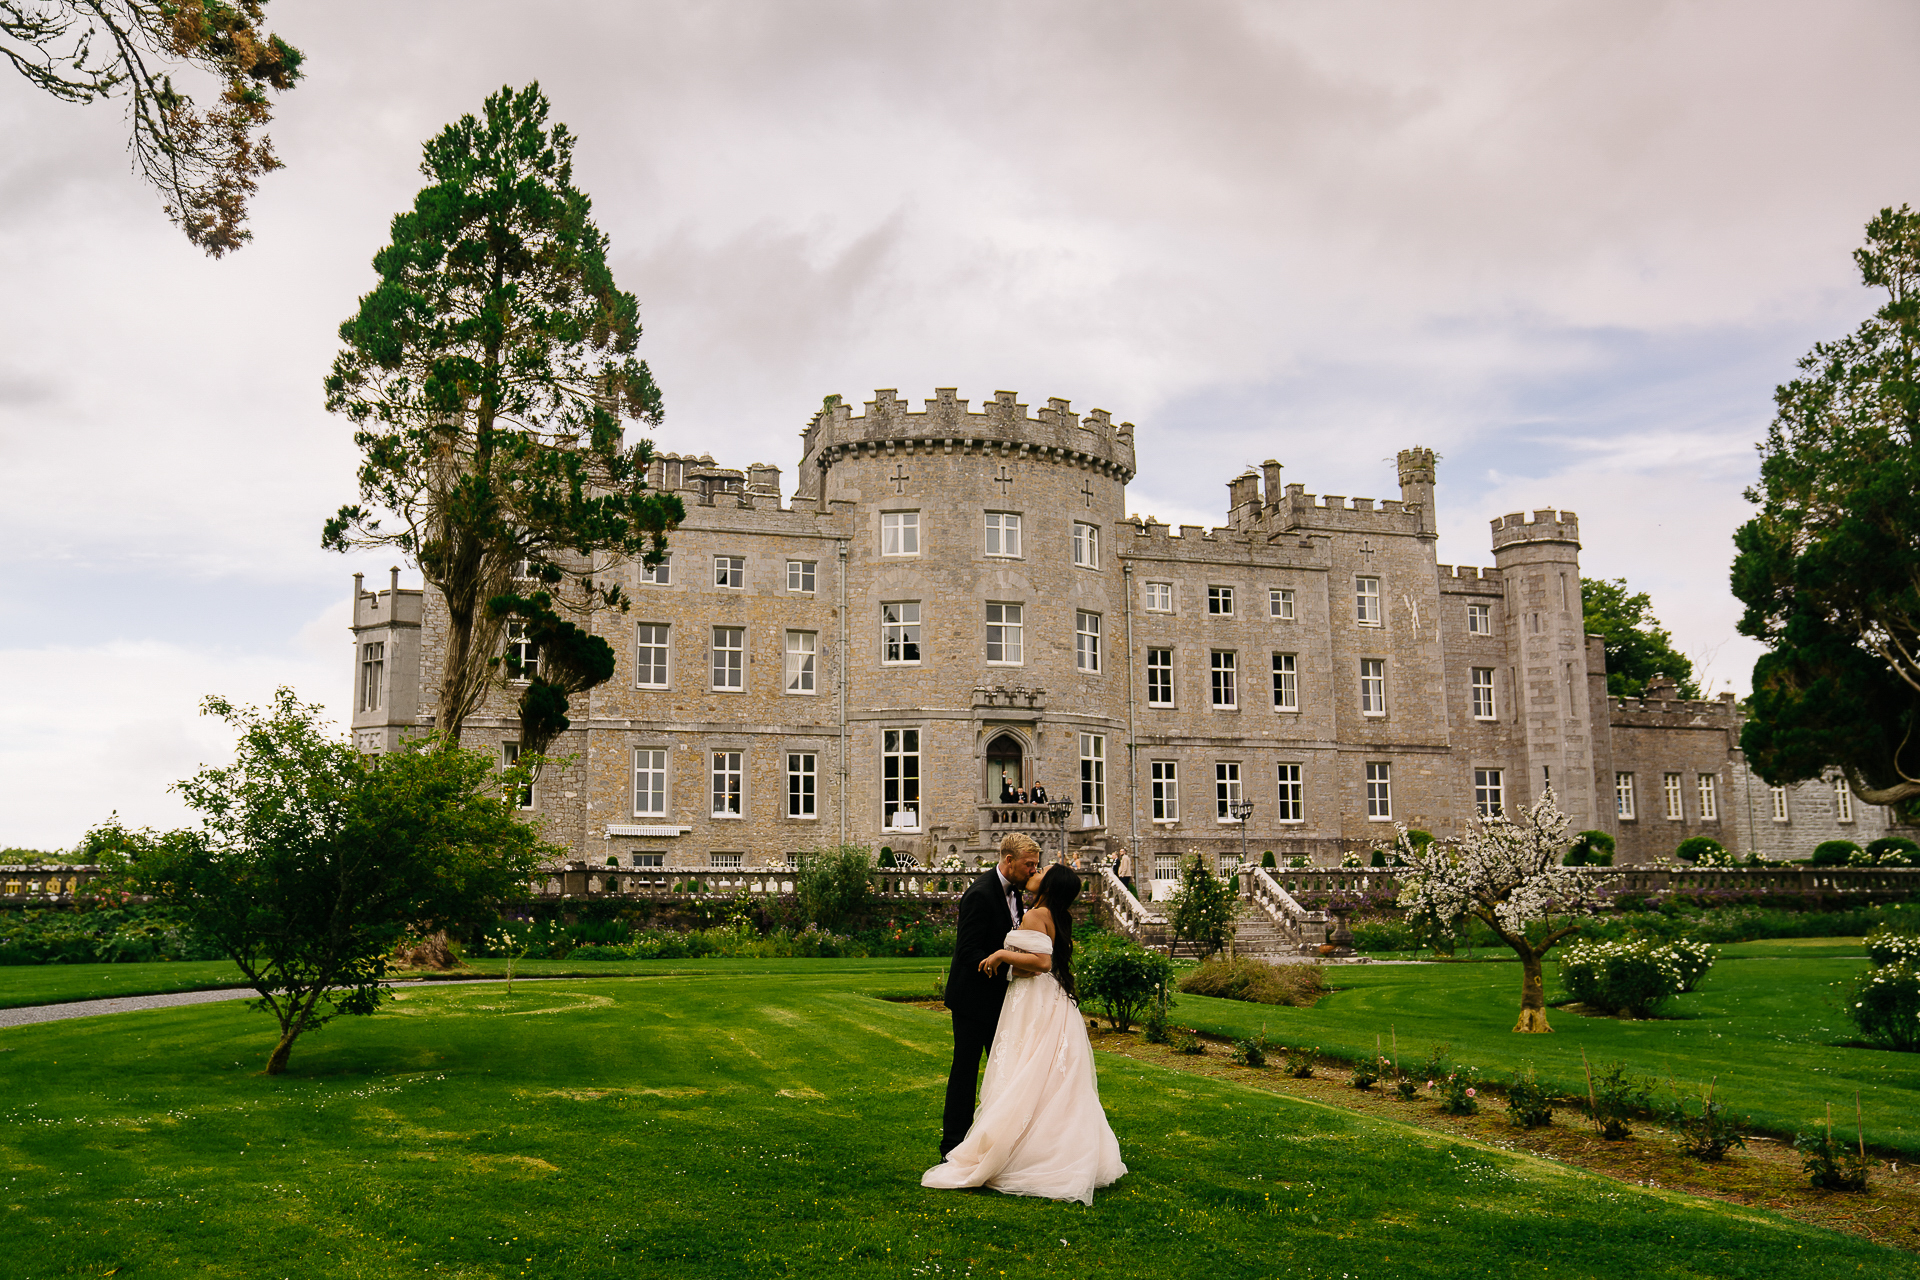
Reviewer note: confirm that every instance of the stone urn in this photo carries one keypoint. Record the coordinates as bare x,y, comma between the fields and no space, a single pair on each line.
1339,936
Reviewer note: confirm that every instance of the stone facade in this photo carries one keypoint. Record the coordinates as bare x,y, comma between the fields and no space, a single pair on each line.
955,597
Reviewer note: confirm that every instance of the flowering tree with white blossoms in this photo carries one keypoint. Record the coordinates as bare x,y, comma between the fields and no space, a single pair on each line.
1506,873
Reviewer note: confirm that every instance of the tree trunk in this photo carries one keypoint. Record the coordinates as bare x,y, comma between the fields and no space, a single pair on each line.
1533,1000
282,1051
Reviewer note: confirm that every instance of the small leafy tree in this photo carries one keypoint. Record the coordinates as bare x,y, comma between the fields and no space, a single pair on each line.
1203,908
1127,980
1506,873
313,860
1638,647
834,887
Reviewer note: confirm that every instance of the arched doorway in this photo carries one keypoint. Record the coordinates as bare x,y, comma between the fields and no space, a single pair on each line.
1005,764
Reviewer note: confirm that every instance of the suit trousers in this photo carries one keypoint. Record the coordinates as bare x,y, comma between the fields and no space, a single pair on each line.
971,1038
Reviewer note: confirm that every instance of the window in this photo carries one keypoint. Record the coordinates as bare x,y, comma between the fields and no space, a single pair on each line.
1286,686
1779,803
730,572
1226,788
1487,793
899,533
650,655
1479,620
373,666
800,574
657,575
724,861
1159,597
1004,628
1709,801
1842,801
1292,801
800,647
649,859
803,774
1166,866
1482,679
1003,533
1166,790
1093,780
1086,641
1373,686
510,756
1225,693
1379,792
1280,603
1220,601
1086,545
650,782
1670,788
1366,601
1623,795
900,779
900,632
727,782
523,655
1159,677
729,658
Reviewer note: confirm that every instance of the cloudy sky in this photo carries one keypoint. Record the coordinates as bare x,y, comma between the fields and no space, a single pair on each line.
1571,246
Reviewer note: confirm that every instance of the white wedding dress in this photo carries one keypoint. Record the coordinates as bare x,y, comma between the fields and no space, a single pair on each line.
1039,1129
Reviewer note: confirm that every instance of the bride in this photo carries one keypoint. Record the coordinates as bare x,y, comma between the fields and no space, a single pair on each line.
1039,1129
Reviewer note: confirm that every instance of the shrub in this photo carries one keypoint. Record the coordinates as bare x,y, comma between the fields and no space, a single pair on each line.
1834,853
1701,849
1266,859
1190,1043
1256,981
1829,1165
1252,1051
1892,851
594,951
1457,1095
1590,849
1707,1129
1299,1062
1529,1102
1886,1006
1630,978
1203,908
1125,979
1153,1027
1407,1089
1366,1071
886,858
1885,947
833,886
1614,1098
1436,1063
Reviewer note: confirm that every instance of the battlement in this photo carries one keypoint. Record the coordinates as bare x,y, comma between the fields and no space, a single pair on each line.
698,475
1001,426
1194,543
1545,526
1467,571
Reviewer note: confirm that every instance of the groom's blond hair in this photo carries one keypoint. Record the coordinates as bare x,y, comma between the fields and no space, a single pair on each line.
1015,843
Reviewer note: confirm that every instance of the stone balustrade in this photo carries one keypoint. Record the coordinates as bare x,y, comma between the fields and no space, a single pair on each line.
44,883
1125,913
1383,882
1305,928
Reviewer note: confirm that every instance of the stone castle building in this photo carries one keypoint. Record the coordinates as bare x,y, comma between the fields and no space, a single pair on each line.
956,600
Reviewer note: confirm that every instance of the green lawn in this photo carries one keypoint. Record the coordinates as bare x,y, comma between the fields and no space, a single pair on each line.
750,1120
23,984
1768,1021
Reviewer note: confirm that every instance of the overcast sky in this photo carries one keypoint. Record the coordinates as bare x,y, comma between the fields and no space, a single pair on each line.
1572,247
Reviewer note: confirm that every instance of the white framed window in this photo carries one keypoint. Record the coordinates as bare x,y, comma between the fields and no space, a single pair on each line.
657,575
1224,667
1086,641
1842,801
1003,533
730,572
1489,799
1286,683
724,861
1482,687
1226,789
1373,686
1006,629
1670,790
900,779
1166,866
1220,601
1292,795
1479,620
1280,603
730,658
1779,795
523,655
900,632
803,776
650,651
1086,545
1366,600
525,570
649,859
510,756
899,533
373,674
800,659
1093,780
649,782
729,783
1709,797
801,574
1159,677
1159,597
1166,790
1379,791
1623,806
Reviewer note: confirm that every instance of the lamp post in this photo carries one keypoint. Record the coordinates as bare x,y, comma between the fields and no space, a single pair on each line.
1058,810
1241,810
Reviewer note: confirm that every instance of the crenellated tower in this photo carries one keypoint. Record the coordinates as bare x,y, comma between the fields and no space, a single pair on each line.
1539,558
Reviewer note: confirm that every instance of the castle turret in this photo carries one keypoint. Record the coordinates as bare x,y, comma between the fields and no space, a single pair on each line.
1416,486
1243,500
1547,651
386,640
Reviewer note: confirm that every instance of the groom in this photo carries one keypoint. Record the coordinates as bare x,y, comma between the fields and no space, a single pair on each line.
988,909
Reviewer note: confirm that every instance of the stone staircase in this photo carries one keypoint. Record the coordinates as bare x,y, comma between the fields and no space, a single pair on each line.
1259,936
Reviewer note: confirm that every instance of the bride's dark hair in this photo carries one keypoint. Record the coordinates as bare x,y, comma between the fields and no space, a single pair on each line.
1058,888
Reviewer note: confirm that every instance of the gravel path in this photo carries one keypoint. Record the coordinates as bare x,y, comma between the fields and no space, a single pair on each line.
29,1014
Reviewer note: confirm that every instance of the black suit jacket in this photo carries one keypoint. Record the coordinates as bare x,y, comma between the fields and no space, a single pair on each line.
984,922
